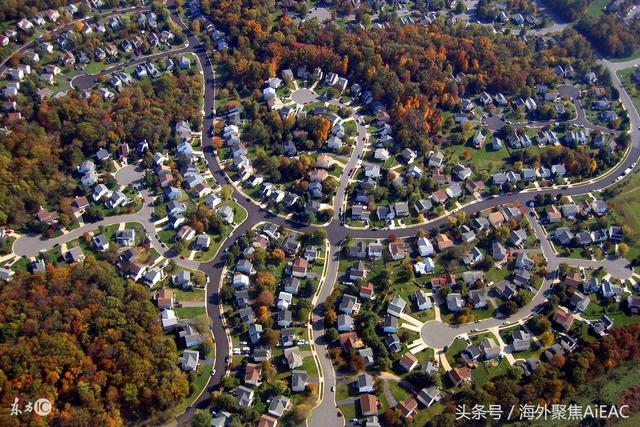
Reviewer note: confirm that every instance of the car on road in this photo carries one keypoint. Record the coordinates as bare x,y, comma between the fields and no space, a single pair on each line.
339,414
213,372
333,388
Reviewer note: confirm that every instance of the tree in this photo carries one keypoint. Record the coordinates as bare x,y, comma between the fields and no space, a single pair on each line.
300,413
271,337
266,280
547,338
226,192
202,418
276,256
265,298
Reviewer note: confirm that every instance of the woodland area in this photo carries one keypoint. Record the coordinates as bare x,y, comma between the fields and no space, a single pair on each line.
555,381
40,154
88,341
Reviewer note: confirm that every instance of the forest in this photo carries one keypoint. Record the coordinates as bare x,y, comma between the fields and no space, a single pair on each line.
408,68
555,381
569,10
88,341
40,154
611,35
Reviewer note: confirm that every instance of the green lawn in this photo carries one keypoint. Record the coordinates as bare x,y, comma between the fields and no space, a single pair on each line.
398,392
625,206
596,7
348,411
194,295
489,369
95,67
240,214
189,312
204,372
632,88
454,349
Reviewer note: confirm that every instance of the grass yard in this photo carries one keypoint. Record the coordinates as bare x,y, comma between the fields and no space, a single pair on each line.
427,414
397,391
240,214
193,295
189,312
454,349
489,369
204,372
596,8
625,205
348,411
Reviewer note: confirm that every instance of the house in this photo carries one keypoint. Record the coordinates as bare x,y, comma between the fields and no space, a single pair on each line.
478,297
74,254
397,250
602,326
247,316
244,396
253,374
278,405
553,214
153,276
579,301
443,242
408,362
390,324
364,383
168,320
126,237
284,318
454,302
393,342
348,304
350,341
523,261
459,375
563,319
357,271
255,329
367,355
240,281
518,237
499,252
429,395
299,381
408,155
563,235
367,291
190,360
368,405
396,306
299,267
609,290
473,257
633,302
345,323
422,300
558,170
506,290
164,298
615,233
569,210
